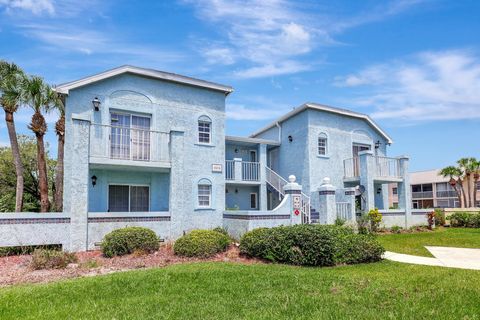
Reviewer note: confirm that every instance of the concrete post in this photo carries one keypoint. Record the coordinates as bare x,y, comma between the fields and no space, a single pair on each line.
404,195
327,203
79,184
293,192
238,168
177,199
367,173
263,173
350,198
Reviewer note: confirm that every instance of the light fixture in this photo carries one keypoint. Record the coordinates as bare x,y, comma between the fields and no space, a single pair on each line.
290,138
236,190
379,190
236,150
94,180
96,104
377,144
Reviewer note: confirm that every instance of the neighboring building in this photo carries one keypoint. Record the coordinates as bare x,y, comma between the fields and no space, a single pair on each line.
148,148
430,190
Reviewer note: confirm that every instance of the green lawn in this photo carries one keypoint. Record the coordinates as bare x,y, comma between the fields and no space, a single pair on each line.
385,290
414,243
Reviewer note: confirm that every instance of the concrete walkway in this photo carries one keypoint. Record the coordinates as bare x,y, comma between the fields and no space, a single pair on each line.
443,257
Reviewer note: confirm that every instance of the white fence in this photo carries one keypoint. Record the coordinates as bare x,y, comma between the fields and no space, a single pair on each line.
351,167
387,167
230,169
250,171
344,210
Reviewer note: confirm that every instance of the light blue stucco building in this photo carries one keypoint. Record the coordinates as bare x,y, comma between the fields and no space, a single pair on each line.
148,148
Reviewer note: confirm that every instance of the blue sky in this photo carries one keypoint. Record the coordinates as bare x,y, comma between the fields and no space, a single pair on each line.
413,65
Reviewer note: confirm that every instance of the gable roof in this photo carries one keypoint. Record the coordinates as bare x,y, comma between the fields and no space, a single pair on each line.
321,107
150,73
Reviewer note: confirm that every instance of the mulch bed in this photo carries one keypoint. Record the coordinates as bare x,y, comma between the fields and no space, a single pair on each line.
17,270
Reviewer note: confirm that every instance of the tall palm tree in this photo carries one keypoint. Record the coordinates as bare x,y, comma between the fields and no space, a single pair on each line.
37,97
476,178
12,79
57,102
455,175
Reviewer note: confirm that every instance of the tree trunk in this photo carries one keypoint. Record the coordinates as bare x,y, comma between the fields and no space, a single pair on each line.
459,194
59,174
475,182
468,180
42,174
17,160
464,203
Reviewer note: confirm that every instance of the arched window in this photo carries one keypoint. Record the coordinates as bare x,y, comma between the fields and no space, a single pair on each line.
322,144
204,130
204,193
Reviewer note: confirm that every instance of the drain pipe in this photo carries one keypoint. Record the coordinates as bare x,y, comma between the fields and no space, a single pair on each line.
279,131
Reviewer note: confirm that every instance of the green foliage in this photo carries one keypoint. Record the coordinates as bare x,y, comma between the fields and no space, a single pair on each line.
465,219
19,250
201,244
8,180
396,229
128,240
340,222
51,259
310,245
375,217
221,230
439,217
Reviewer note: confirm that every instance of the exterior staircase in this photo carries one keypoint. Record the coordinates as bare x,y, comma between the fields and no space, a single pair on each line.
276,183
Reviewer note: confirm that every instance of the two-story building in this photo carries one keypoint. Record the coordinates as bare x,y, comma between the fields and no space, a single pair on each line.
148,148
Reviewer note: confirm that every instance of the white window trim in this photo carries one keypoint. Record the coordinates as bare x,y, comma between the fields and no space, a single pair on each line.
256,200
204,182
129,202
205,119
325,136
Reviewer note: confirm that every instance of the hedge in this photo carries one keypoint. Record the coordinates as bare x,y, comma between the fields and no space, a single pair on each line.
465,219
128,240
311,245
201,243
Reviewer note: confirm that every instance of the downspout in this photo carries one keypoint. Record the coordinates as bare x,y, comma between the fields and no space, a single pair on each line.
279,131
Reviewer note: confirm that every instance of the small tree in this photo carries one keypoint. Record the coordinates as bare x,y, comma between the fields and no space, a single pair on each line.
375,217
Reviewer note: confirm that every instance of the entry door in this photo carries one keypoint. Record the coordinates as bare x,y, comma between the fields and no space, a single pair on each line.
253,156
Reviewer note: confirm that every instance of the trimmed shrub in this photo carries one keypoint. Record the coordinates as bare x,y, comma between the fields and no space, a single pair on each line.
201,244
128,240
310,245
465,219
20,250
439,217
51,259
221,230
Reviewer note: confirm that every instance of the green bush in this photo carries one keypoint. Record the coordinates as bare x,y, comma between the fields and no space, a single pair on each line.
51,259
221,230
201,244
439,217
128,240
20,250
311,245
396,229
465,219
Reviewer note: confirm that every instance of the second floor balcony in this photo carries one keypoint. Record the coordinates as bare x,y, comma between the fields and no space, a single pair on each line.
242,171
117,145
383,168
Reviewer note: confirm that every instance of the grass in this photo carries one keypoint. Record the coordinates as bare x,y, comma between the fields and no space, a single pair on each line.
414,243
385,290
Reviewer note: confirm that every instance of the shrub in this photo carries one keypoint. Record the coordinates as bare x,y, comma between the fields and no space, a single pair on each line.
340,222
396,229
19,250
201,244
221,230
431,219
439,217
375,217
465,219
128,240
51,259
311,245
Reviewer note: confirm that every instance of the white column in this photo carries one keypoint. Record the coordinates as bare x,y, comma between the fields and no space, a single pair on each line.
404,195
350,198
327,203
367,173
294,191
238,169
263,173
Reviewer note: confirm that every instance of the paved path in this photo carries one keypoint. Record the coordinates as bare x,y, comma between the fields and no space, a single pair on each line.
443,257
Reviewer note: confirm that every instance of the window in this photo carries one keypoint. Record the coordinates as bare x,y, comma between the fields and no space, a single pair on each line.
253,201
204,193
129,137
322,144
204,129
395,190
125,198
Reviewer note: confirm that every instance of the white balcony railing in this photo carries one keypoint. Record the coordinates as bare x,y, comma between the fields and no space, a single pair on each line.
422,195
229,169
250,171
387,167
351,167
446,194
121,143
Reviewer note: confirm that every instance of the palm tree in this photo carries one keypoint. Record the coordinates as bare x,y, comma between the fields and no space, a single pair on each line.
12,79
56,101
476,177
37,97
464,164
455,175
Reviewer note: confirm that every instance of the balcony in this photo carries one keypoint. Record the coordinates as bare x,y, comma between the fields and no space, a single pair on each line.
242,171
115,145
447,194
422,195
385,168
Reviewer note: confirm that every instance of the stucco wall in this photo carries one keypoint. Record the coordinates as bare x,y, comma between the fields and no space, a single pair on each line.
241,199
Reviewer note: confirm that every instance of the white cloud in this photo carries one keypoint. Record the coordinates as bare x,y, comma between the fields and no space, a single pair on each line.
256,108
37,7
269,70
428,86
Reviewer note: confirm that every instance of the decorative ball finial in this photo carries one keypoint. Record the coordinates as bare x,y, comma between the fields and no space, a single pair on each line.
326,180
292,178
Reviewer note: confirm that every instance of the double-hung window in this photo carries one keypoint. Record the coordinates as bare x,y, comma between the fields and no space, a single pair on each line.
204,130
322,144
204,194
126,198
